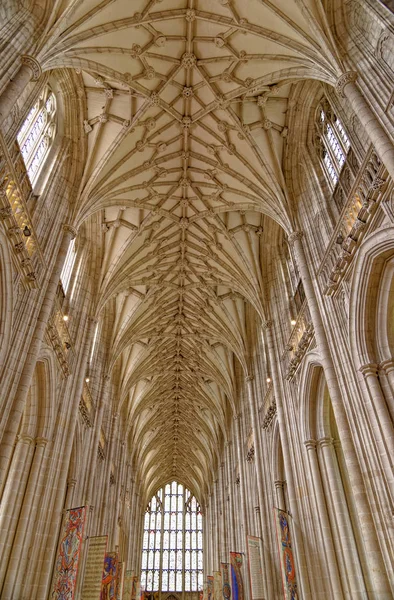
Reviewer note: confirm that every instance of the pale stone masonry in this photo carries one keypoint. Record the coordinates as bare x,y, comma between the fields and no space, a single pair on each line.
197,285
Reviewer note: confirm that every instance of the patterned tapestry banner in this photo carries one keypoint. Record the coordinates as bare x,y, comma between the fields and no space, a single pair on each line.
66,568
286,555
93,576
108,591
237,582
217,585
210,588
128,585
255,564
226,586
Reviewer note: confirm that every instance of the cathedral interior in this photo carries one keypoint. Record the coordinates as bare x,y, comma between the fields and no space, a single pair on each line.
196,299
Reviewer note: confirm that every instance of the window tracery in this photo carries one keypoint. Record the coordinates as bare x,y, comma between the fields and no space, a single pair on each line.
332,141
172,556
37,133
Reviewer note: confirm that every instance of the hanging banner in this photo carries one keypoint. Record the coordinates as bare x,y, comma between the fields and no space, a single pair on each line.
108,590
66,568
226,586
237,583
217,585
93,576
210,582
128,585
286,557
119,581
134,588
255,564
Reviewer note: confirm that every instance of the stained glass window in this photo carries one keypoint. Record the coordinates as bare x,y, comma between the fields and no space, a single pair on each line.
172,557
333,142
37,133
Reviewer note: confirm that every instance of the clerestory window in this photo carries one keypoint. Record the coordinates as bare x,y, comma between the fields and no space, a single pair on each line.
37,133
332,141
172,555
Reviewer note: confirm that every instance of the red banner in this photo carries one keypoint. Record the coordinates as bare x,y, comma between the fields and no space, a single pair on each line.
66,568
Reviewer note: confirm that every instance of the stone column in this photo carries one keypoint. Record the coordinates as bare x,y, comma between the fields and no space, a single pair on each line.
231,509
71,483
300,555
388,368
96,438
32,355
347,553
130,555
224,541
106,498
26,525
346,87
280,496
324,522
218,529
376,567
243,515
258,457
380,420
29,70
12,499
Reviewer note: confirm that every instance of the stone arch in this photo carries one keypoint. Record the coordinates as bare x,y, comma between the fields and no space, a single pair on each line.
371,330
38,416
311,372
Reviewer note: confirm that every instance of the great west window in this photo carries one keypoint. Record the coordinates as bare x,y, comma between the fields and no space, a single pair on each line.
172,557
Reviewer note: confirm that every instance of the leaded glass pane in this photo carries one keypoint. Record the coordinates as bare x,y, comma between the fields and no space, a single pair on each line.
200,580
179,580
171,581
156,576
164,581
166,539
187,581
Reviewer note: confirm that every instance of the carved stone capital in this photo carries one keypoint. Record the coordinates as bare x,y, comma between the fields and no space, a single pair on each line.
296,235
249,378
237,416
369,370
70,230
33,65
343,80
310,444
387,365
279,484
41,442
267,324
326,441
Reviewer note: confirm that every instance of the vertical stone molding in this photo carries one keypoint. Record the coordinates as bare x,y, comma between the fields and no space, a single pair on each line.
258,455
324,530
346,550
347,87
380,419
280,496
29,70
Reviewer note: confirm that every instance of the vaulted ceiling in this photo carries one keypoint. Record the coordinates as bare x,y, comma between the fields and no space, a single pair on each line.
186,125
